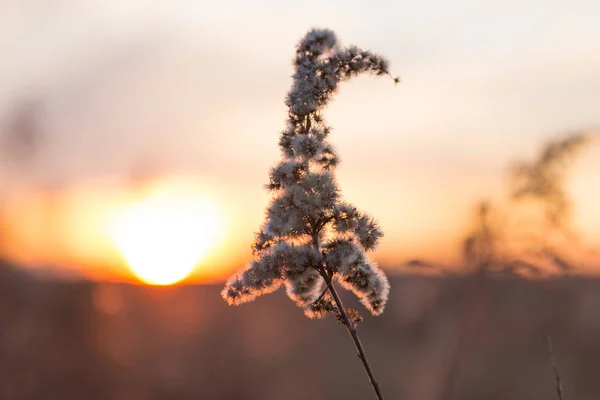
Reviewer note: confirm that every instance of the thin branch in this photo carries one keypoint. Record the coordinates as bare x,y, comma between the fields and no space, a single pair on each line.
322,222
354,335
559,386
328,278
321,296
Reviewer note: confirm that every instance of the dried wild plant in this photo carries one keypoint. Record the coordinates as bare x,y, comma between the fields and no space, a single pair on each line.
311,237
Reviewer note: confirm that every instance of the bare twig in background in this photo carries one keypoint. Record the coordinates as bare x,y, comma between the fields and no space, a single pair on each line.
559,385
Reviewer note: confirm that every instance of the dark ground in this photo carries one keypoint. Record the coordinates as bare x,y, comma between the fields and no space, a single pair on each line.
84,340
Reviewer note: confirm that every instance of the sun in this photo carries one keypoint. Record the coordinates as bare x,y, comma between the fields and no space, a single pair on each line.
165,233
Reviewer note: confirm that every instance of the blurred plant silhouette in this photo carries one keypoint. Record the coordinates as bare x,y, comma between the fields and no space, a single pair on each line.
544,178
499,243
479,245
22,133
502,242
311,237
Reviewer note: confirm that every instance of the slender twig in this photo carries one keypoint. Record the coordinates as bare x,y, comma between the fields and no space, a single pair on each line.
554,302
559,385
353,334
327,275
321,295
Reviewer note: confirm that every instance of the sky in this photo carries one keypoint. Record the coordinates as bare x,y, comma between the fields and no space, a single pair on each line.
123,91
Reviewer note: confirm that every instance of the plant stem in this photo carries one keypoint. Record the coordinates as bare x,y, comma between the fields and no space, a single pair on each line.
327,277
559,386
354,334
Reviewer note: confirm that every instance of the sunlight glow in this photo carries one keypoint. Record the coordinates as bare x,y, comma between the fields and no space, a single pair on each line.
166,232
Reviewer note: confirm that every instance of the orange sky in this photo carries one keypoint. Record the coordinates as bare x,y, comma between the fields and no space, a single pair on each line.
70,231
121,91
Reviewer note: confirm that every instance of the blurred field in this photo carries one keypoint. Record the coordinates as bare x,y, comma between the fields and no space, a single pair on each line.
85,340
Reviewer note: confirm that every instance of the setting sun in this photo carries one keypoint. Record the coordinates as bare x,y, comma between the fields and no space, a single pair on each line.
166,232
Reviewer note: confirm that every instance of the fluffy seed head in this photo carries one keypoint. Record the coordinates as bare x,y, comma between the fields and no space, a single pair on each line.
306,207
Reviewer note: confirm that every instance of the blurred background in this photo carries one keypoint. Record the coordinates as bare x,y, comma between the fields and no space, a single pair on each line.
135,140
